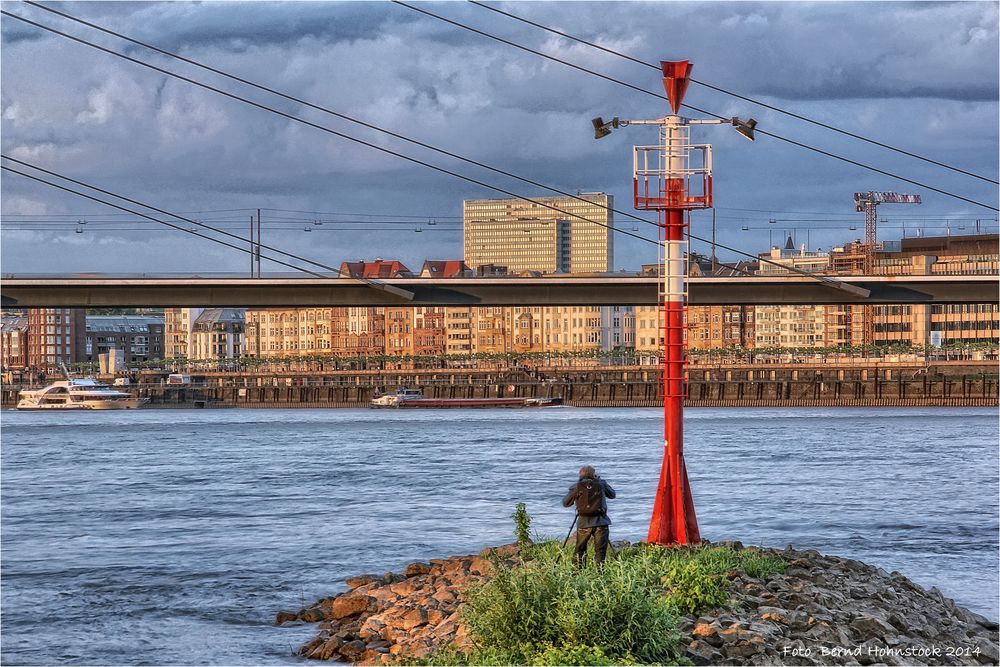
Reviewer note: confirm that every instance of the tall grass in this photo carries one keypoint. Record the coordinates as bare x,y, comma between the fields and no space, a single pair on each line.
546,611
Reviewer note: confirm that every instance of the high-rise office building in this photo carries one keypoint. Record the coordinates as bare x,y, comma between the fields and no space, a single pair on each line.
527,236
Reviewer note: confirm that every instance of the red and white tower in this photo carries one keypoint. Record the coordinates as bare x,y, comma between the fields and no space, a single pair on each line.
673,178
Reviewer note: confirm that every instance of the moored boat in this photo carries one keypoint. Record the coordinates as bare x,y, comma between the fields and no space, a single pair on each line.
77,394
412,398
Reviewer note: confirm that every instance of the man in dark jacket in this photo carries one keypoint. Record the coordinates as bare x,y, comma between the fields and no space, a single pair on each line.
589,495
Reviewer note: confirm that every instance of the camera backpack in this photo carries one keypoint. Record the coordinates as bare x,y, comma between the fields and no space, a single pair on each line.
588,498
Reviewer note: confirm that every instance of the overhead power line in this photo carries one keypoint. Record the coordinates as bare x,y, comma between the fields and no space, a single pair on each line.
307,103
369,215
168,224
731,93
328,130
372,283
830,282
692,107
114,215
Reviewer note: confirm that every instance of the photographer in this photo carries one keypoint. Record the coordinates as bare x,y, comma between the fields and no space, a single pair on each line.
589,494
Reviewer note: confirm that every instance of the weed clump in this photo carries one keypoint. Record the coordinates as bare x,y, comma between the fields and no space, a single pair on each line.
522,525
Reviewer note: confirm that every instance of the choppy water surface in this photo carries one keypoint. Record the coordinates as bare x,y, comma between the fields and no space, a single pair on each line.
174,536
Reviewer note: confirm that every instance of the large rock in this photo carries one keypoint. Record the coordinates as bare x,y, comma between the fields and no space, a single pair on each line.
285,617
872,627
348,605
416,568
702,653
413,618
362,580
352,650
312,615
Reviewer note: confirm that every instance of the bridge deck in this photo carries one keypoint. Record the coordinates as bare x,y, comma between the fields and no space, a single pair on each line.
105,291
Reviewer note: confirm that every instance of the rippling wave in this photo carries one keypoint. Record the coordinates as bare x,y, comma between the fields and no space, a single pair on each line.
173,536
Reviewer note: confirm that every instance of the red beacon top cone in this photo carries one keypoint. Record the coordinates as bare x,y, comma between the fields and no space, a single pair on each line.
675,81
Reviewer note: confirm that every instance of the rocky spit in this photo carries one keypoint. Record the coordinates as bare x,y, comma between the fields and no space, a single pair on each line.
823,610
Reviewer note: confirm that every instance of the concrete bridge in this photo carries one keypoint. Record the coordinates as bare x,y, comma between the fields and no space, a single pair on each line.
95,290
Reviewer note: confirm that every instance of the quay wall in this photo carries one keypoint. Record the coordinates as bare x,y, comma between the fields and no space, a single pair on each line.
771,385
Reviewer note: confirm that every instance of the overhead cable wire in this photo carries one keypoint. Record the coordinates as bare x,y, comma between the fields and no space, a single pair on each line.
112,215
372,283
346,117
168,224
757,130
369,215
306,103
328,130
101,230
731,93
832,283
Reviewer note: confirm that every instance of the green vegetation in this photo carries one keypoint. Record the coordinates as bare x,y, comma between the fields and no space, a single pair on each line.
522,525
583,359
546,611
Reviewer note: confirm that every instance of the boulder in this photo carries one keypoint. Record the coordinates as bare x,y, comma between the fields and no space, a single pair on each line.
416,568
504,550
371,628
285,617
362,580
413,618
773,614
445,596
352,650
383,596
872,627
405,587
345,606
702,653
989,654
312,615
480,565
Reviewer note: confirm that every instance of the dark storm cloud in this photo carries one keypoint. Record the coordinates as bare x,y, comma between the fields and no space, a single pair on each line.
182,148
13,32
190,25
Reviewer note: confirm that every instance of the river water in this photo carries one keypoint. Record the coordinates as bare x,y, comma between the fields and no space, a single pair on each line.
174,536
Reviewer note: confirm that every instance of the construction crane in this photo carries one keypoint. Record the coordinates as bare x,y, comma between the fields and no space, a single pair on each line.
867,202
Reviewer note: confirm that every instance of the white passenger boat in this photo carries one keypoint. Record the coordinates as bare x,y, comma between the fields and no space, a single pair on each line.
395,400
77,394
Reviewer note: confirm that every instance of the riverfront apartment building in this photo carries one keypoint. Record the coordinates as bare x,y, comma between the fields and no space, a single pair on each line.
217,333
138,338
914,324
14,346
55,336
530,236
178,324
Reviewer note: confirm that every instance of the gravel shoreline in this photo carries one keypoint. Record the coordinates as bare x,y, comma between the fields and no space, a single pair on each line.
823,610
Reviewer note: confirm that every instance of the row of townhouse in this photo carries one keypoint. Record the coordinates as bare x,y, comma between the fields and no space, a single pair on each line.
44,338
426,330
912,324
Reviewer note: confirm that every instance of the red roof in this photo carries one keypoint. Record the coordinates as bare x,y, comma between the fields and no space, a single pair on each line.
378,269
443,268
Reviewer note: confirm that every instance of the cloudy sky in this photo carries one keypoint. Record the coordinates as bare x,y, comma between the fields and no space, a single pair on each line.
920,76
